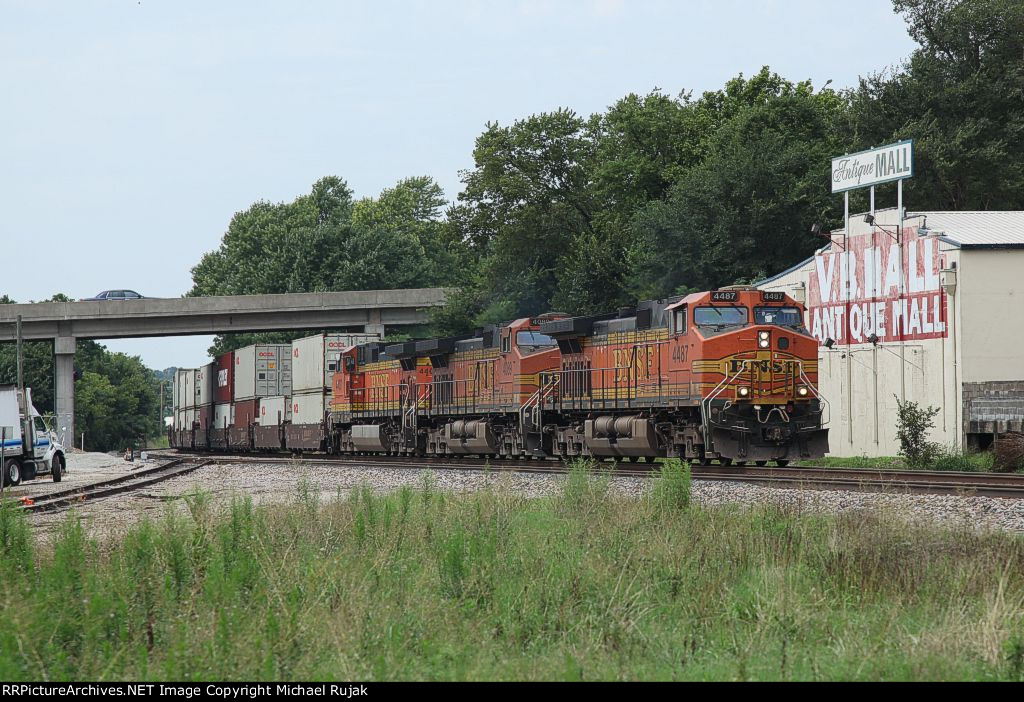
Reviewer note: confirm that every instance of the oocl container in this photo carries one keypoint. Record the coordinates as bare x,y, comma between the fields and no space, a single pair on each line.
262,370
316,358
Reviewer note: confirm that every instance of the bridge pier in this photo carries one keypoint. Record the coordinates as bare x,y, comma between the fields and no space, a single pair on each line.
374,325
64,388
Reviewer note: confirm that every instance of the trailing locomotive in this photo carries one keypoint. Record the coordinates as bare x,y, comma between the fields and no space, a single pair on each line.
728,375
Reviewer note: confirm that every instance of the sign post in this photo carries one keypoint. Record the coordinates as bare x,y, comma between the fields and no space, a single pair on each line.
866,169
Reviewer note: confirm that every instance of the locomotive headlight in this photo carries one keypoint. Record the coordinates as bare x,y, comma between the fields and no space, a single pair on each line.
743,392
802,391
764,339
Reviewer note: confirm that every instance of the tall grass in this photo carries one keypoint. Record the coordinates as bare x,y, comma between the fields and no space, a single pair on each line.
422,584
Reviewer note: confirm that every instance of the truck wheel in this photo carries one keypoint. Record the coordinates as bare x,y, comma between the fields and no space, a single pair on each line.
12,473
58,468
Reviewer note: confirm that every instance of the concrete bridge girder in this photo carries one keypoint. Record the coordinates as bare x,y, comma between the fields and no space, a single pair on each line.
66,322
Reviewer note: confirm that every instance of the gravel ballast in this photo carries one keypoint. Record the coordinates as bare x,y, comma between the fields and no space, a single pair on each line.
276,483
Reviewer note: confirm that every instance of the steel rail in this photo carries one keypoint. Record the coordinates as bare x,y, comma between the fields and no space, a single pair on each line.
1007,485
107,488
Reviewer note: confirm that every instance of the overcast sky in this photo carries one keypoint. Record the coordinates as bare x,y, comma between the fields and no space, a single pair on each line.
130,132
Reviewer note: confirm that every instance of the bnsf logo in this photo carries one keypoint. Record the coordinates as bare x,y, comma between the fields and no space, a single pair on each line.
763,366
634,363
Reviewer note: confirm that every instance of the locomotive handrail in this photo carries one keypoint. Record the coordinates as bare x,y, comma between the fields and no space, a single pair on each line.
827,405
706,402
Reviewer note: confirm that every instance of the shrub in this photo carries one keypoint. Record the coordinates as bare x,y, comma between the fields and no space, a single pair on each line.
913,423
1009,452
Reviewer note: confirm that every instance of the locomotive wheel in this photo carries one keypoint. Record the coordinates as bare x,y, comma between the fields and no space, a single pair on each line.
741,463
782,464
725,461
761,463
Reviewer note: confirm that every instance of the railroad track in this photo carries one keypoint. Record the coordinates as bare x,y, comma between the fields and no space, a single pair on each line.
114,486
904,481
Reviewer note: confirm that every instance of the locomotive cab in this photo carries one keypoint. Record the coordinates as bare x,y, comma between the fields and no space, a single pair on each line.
757,371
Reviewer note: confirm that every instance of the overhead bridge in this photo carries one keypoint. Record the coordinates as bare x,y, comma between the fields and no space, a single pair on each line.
66,322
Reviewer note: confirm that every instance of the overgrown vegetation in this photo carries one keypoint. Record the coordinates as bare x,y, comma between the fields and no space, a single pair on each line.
427,585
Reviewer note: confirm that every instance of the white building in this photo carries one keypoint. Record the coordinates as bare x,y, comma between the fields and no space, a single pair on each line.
936,317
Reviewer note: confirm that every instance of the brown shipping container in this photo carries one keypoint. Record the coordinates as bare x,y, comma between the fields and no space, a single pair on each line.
245,412
225,378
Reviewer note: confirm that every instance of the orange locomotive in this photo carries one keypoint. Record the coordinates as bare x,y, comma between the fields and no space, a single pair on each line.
728,375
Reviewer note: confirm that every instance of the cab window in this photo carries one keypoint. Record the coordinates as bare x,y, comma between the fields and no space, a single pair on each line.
506,342
531,341
679,321
40,425
782,316
719,316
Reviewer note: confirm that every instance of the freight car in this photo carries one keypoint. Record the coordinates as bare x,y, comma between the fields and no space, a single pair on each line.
728,375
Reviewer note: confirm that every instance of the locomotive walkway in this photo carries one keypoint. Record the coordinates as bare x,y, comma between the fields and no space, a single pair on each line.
66,322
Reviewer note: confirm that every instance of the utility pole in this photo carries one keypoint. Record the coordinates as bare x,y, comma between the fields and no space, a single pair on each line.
20,355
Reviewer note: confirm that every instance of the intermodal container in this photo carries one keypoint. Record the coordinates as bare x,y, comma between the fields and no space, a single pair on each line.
222,416
206,384
310,407
262,370
225,378
245,412
315,359
189,388
275,410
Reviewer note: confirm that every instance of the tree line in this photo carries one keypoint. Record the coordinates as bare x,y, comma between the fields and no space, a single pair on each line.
660,194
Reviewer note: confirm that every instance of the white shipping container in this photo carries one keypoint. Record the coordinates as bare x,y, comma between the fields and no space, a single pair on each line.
175,403
179,421
223,416
262,370
315,359
191,417
189,395
179,383
275,410
310,407
206,384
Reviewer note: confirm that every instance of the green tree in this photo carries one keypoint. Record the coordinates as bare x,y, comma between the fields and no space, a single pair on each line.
326,241
746,209
959,96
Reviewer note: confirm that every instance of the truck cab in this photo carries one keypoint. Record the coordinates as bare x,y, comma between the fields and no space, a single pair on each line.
29,446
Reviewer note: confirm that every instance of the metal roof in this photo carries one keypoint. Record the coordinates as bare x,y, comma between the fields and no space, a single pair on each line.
977,230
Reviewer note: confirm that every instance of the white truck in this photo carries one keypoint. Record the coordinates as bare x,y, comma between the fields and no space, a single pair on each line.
30,447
